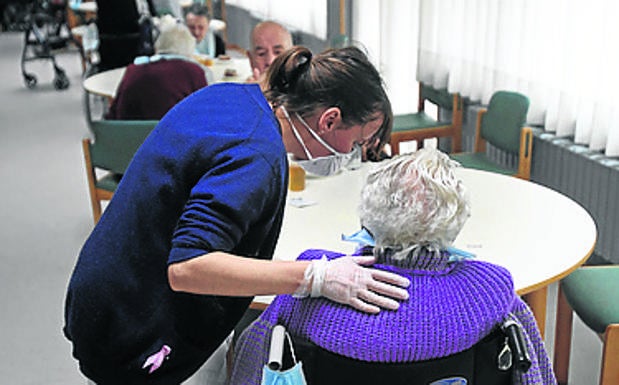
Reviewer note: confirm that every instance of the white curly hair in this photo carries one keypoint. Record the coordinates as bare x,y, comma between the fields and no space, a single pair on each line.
175,38
414,200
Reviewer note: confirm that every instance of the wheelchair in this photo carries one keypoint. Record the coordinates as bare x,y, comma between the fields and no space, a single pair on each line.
495,360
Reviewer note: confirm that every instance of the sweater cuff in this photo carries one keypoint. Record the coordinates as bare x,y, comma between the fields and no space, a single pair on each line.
180,254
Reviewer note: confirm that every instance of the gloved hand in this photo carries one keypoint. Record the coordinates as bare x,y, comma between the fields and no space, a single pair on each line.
346,281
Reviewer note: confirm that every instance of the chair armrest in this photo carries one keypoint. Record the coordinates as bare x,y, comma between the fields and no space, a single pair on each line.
480,143
456,124
524,157
420,99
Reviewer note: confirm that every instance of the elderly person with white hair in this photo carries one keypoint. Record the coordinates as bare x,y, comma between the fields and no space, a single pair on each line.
151,86
412,207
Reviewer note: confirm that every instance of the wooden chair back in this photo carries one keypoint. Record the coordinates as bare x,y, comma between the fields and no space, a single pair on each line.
109,154
420,126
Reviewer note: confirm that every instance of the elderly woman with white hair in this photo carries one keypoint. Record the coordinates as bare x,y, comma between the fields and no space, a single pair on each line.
413,206
151,86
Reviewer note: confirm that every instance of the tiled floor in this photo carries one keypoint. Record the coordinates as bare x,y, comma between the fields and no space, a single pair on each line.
45,217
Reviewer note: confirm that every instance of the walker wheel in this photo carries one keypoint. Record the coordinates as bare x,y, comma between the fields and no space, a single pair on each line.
61,82
31,81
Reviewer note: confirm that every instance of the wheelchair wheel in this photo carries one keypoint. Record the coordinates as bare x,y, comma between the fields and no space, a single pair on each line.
30,80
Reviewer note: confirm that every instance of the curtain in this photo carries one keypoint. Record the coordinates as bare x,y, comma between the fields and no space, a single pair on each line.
388,31
562,54
306,16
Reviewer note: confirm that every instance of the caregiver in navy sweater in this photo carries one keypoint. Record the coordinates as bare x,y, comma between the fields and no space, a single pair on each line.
188,238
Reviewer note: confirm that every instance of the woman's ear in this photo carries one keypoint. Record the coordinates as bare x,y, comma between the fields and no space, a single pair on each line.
330,119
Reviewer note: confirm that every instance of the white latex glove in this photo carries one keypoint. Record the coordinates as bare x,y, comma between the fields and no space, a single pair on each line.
345,280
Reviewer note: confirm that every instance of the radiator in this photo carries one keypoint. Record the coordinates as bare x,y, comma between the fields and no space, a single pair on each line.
588,177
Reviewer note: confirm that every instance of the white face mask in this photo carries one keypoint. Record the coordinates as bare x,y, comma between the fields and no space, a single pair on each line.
331,164
324,165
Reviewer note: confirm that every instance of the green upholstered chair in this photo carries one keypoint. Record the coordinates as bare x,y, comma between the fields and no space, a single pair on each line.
107,157
593,293
502,125
420,126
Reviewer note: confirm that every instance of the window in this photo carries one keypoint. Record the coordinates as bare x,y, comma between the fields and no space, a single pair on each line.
306,16
562,54
389,32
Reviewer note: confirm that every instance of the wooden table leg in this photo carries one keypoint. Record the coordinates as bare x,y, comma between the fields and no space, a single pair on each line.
537,303
563,338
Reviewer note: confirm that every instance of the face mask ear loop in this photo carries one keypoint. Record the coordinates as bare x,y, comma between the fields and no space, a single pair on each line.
296,133
294,357
317,137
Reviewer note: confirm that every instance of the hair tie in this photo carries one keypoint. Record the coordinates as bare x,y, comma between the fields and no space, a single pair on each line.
303,60
287,76
302,64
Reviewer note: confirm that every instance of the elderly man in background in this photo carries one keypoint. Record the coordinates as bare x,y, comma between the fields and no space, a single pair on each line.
198,21
268,40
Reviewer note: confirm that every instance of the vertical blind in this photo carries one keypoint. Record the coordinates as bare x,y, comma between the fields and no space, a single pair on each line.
562,54
388,31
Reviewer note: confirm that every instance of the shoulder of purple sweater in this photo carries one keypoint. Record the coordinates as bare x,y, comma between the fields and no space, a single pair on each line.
492,273
489,266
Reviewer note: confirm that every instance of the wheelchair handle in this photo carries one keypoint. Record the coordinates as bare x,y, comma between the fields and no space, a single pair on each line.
517,345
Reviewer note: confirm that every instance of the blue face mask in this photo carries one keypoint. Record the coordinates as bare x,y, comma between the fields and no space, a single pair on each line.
451,381
292,376
324,165
364,238
271,375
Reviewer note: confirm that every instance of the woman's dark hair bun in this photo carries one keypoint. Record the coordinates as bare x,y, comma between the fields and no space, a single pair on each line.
297,62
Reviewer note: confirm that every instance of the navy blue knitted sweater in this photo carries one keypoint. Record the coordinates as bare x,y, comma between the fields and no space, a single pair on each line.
212,176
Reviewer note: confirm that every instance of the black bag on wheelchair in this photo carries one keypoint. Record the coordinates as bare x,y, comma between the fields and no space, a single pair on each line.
492,361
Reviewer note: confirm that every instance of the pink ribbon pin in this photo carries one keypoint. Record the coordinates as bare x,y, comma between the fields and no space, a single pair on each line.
156,359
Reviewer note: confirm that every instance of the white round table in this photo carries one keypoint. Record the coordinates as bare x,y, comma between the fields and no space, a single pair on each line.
538,234
105,83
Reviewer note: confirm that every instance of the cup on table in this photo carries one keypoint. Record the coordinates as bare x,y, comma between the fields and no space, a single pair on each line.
204,60
296,177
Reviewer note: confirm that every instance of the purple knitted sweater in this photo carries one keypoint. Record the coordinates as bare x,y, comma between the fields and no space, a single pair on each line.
451,307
